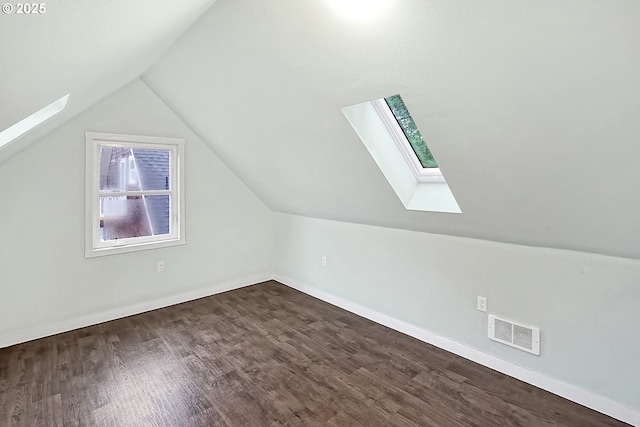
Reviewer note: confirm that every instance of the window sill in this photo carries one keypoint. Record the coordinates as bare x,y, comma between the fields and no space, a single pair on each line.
114,250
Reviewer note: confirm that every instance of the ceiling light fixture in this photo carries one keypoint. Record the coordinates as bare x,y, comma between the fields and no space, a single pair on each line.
360,10
28,123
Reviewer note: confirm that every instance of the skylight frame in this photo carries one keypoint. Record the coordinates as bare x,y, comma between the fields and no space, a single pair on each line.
422,174
32,121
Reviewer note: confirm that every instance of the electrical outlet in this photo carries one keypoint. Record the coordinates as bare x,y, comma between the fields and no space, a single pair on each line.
160,266
324,261
482,303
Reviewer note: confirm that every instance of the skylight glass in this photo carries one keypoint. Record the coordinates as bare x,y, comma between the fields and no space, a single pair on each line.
408,126
28,123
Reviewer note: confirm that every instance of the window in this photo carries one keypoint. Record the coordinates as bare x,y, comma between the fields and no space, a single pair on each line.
134,193
396,117
399,150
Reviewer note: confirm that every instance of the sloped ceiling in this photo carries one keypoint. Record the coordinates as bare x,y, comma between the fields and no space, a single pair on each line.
86,48
531,108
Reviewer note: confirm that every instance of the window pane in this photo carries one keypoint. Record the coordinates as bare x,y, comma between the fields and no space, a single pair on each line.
401,113
133,216
159,208
126,169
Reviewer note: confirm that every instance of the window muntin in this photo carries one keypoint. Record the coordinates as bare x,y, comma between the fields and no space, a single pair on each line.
134,187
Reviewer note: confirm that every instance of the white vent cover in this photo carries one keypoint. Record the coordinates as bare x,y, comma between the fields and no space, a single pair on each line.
523,337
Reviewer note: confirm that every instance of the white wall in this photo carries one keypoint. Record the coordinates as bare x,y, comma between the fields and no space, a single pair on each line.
585,305
44,277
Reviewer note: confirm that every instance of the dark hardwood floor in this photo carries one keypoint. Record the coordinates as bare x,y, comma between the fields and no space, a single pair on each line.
265,355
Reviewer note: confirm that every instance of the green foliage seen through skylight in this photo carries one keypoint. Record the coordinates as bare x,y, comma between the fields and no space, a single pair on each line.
399,110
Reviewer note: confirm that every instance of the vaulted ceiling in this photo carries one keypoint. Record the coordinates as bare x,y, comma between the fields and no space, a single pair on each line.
532,109
88,49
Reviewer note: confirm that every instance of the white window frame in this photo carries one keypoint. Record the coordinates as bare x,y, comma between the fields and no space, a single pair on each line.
94,141
398,136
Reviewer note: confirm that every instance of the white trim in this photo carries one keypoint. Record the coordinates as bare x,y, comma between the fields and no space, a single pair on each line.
397,134
18,337
583,397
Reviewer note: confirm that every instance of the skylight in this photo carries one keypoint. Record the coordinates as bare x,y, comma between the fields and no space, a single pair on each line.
28,123
404,131
408,126
400,151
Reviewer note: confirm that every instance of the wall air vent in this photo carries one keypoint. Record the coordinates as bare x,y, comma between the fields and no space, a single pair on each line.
512,334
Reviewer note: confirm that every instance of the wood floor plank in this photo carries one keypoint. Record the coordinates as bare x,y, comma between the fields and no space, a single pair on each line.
264,355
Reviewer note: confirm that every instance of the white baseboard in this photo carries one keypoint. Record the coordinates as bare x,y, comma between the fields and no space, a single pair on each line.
560,388
118,313
583,397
